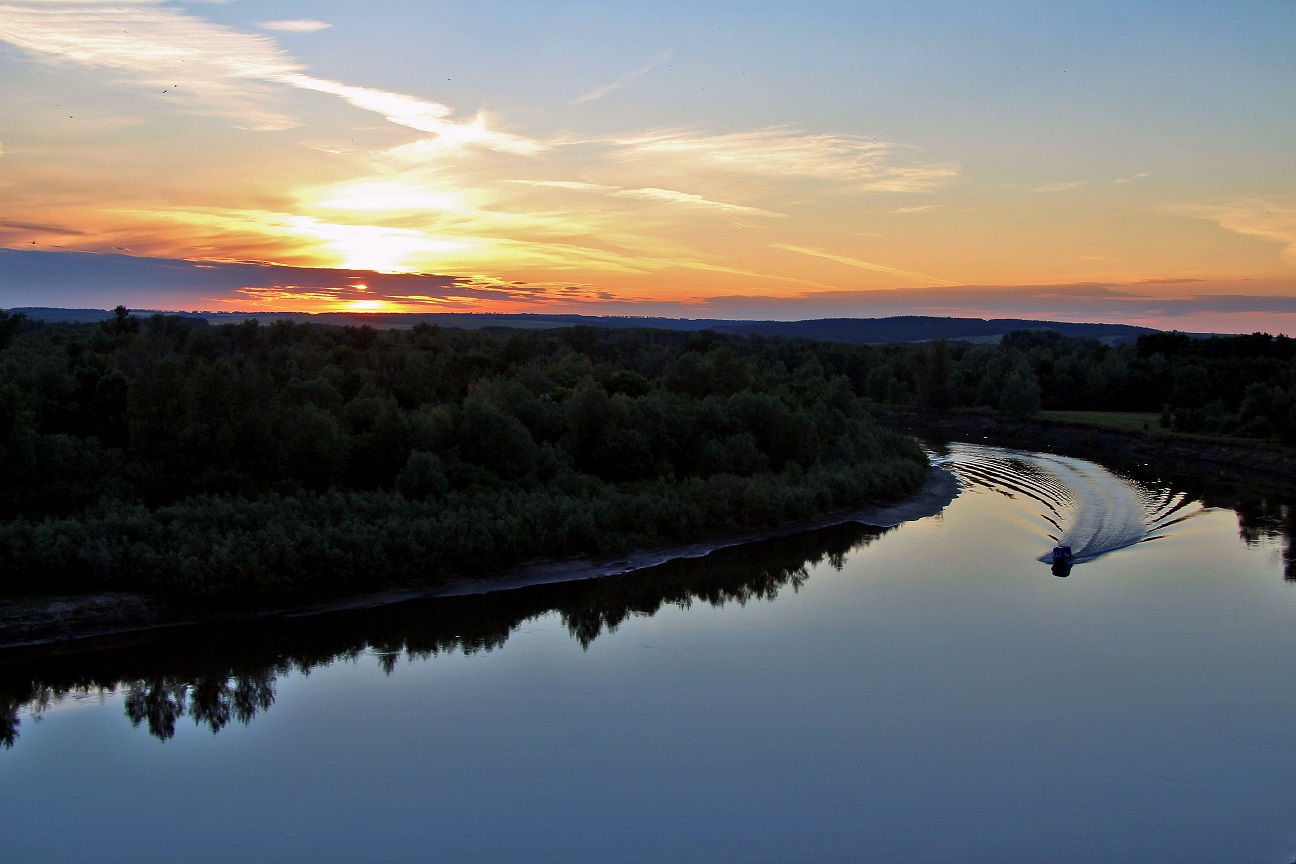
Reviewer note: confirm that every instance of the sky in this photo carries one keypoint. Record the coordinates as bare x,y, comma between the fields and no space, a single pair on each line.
1103,161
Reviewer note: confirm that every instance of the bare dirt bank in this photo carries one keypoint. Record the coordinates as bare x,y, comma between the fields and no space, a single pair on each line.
46,621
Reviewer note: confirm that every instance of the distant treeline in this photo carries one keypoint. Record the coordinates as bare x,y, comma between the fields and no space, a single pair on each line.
1243,386
866,331
247,463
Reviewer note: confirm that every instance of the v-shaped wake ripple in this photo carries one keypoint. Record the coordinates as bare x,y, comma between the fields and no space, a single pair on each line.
1090,508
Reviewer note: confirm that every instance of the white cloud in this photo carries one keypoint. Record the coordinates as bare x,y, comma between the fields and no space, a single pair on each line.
673,178
222,70
669,196
688,199
225,70
1064,186
574,185
1139,176
158,47
600,92
420,114
859,163
296,25
1267,218
863,265
410,111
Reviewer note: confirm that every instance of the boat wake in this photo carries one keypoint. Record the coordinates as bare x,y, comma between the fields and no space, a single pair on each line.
1085,506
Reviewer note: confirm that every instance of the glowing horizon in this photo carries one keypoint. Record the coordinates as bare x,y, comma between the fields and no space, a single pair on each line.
840,157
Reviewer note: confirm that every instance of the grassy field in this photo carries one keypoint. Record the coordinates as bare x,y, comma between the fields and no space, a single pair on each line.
1124,421
1149,423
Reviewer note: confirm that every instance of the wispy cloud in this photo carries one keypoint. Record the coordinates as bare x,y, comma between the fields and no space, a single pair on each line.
81,279
222,69
865,265
599,92
688,199
1064,186
1268,218
409,293
35,228
1139,176
296,25
158,47
443,196
575,185
669,196
920,208
859,163
419,114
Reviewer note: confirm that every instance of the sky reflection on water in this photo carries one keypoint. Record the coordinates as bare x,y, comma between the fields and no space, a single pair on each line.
941,696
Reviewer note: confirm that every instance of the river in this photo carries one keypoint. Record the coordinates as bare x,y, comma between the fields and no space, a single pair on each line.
931,692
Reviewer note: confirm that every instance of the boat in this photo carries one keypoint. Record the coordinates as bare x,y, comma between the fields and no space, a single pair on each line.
1062,559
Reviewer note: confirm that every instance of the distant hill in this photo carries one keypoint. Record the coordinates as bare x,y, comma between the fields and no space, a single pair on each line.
867,331
914,328
74,316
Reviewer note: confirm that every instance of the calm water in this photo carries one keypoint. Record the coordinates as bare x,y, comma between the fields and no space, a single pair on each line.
928,693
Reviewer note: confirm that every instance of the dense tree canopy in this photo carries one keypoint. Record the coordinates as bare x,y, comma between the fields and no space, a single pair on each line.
1233,385
246,462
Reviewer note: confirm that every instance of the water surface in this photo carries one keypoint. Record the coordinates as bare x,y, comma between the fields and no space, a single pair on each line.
928,693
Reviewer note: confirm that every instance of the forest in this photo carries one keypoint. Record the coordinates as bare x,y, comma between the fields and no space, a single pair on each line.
243,464
1242,386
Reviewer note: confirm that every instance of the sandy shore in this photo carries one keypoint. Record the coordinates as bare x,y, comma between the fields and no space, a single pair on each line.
49,620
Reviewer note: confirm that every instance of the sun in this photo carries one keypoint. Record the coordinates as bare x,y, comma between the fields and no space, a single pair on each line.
367,306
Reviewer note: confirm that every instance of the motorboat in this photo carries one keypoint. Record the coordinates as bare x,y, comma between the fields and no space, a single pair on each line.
1062,559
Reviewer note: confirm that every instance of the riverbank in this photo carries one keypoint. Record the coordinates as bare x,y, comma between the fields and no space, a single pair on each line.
1157,451
46,621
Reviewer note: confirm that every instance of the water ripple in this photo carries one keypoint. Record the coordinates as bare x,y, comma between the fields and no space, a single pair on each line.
1090,508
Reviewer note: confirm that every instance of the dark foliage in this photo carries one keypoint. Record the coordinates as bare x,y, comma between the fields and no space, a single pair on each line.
222,673
247,463
1243,386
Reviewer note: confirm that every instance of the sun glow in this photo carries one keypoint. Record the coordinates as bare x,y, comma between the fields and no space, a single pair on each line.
386,197
375,247
175,138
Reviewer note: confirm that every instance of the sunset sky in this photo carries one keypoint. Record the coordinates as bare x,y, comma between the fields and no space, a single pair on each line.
1102,161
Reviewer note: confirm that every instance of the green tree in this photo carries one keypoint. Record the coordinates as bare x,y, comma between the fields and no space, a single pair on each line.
1020,395
934,377
11,324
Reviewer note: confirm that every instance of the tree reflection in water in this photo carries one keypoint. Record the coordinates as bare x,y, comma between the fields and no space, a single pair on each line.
1269,519
218,674
1265,507
1265,513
